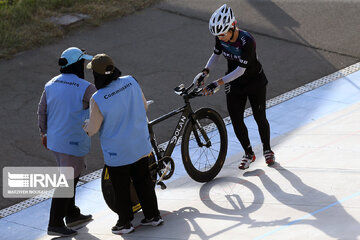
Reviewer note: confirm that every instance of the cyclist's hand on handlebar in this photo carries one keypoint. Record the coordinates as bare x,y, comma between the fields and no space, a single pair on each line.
212,88
200,79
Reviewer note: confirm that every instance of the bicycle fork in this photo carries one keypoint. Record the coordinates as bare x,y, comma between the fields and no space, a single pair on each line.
197,125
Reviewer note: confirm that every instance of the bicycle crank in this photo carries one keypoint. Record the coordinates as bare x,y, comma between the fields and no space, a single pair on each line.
166,170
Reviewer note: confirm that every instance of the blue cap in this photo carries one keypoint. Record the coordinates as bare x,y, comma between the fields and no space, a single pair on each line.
72,55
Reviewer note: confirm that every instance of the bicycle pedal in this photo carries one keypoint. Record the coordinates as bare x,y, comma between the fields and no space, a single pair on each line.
162,185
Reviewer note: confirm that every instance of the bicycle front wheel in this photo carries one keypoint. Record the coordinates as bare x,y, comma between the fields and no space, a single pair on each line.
204,145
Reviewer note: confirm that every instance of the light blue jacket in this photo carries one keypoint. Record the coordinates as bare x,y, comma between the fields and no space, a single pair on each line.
124,133
65,115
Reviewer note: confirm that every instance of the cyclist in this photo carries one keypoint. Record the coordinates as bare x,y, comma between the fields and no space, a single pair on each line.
244,79
118,111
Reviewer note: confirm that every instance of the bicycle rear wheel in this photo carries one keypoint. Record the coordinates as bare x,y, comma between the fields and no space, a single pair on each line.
109,194
204,159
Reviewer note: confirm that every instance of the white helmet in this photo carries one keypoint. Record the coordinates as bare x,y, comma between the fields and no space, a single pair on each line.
221,20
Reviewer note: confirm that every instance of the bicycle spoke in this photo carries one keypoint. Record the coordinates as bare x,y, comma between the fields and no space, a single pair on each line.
212,154
216,150
207,154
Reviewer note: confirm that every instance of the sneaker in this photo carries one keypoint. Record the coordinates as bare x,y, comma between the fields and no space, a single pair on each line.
155,221
124,229
269,157
246,161
74,221
62,231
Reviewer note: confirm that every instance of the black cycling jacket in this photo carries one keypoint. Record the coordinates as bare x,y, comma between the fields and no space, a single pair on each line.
242,53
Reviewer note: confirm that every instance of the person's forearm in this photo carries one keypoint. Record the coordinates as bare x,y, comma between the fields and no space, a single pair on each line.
233,75
96,118
145,102
42,114
214,58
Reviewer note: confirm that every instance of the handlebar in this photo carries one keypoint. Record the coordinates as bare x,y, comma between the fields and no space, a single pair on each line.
186,93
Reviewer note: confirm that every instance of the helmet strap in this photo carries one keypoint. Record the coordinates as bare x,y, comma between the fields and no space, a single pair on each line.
233,32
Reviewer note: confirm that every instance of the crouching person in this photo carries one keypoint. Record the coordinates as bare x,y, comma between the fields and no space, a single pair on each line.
118,110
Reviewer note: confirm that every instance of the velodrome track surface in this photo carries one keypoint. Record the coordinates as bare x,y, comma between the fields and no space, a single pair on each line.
311,192
168,44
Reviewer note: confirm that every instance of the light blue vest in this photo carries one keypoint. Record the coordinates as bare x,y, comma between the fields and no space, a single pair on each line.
65,115
124,133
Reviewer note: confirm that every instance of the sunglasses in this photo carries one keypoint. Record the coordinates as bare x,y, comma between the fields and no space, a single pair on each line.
83,52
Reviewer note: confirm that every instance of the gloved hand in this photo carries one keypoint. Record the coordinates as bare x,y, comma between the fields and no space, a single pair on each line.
44,140
211,88
200,79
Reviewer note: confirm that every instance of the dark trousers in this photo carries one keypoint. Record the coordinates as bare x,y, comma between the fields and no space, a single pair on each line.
236,106
140,175
63,207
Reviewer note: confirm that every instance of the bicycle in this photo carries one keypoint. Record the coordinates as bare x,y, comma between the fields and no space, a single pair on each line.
203,145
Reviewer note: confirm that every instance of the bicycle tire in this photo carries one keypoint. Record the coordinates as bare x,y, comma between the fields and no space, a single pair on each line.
196,169
109,194
108,190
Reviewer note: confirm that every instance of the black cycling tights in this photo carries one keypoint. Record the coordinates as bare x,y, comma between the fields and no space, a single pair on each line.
236,107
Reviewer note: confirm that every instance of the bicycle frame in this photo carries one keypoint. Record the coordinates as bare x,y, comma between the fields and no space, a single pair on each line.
187,113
